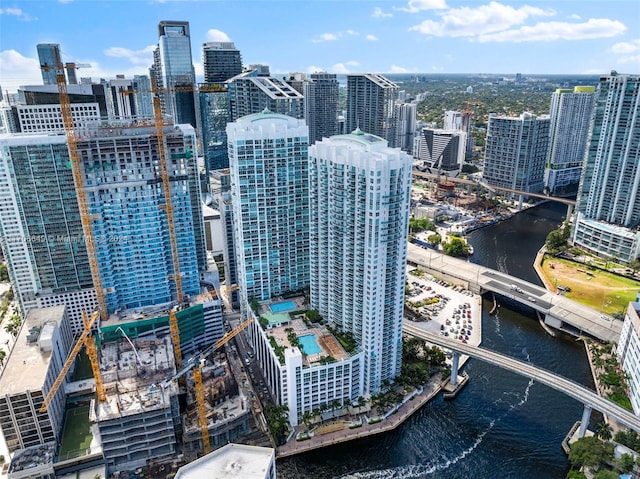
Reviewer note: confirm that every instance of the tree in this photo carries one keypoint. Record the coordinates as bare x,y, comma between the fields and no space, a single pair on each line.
456,247
590,452
4,273
634,266
606,474
434,239
576,475
3,355
556,242
278,422
626,462
604,431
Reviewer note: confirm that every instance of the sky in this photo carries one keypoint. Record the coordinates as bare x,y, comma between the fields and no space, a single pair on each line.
338,36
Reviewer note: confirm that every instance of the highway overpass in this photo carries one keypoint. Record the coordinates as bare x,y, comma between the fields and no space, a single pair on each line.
587,397
558,311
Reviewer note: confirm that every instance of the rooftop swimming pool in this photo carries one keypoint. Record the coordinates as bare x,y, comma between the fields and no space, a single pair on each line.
281,307
309,344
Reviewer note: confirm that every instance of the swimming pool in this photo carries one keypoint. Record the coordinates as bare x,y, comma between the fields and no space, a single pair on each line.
280,307
309,344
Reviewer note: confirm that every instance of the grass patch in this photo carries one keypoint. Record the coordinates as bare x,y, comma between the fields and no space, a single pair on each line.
598,289
76,435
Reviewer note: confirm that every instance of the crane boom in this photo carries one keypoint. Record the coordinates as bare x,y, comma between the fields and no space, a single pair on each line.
67,364
175,338
166,185
202,410
78,181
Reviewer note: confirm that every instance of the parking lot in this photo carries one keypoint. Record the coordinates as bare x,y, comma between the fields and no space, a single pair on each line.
445,309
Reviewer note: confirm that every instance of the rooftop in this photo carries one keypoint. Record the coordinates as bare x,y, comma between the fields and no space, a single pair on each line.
27,365
132,371
231,461
34,457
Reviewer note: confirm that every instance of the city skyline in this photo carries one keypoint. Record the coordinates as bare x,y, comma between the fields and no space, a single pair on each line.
418,36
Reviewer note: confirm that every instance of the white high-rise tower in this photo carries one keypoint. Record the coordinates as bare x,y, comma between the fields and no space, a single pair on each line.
359,199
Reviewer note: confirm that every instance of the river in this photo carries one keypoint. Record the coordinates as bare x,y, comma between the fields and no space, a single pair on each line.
501,425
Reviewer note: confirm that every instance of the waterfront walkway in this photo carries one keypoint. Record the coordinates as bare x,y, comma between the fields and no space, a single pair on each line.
293,446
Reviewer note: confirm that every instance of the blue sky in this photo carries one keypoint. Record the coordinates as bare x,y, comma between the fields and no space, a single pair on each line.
385,36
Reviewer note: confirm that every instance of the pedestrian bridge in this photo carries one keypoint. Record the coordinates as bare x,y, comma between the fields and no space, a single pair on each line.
587,397
558,311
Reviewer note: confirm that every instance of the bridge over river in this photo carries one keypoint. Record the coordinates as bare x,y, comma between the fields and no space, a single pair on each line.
587,397
558,311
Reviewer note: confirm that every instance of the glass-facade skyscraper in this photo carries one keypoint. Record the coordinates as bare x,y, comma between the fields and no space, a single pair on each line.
268,164
49,56
608,202
570,114
321,105
371,105
174,73
221,61
214,116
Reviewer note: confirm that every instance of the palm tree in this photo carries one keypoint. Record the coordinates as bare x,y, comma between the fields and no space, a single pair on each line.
306,419
3,354
604,431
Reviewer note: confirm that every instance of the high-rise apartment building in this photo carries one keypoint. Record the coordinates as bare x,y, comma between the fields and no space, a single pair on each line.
570,114
407,123
214,116
440,151
628,351
41,231
452,120
269,189
371,105
516,151
321,105
250,93
174,73
359,201
49,58
221,61
608,202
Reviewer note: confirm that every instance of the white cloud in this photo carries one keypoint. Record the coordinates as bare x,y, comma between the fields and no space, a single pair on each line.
575,16
415,6
397,69
17,12
626,47
472,21
137,57
314,69
550,31
343,68
326,37
18,70
351,32
378,13
372,38
214,35
633,59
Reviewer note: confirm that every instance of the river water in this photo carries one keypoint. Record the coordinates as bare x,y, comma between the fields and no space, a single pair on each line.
501,425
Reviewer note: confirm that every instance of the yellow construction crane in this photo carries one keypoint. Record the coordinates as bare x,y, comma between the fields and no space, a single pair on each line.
88,341
196,363
78,180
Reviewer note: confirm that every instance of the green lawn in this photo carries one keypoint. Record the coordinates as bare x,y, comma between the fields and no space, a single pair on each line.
598,289
76,436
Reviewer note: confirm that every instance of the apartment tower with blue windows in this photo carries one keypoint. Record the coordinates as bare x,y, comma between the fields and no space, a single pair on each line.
608,202
269,189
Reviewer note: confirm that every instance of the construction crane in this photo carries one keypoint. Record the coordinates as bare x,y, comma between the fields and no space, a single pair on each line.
88,341
78,180
196,363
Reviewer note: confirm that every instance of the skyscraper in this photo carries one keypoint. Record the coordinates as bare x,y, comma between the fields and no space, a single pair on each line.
371,102
49,57
452,120
406,127
221,61
250,93
214,116
608,202
269,189
174,73
570,117
359,200
321,105
40,226
516,151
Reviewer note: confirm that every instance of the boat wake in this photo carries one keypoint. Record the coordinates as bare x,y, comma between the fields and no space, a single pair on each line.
418,471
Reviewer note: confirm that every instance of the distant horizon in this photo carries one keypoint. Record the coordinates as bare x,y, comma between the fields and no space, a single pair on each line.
427,37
